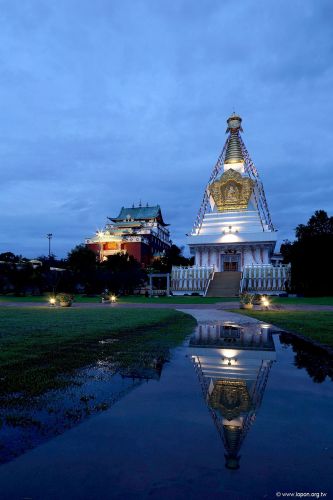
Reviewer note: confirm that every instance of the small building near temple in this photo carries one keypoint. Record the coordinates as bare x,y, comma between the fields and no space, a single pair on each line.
138,231
233,238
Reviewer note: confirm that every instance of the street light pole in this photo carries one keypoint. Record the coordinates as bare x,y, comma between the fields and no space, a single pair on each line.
49,237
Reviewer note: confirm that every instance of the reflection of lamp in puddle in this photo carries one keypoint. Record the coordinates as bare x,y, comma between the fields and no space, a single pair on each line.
264,331
231,230
229,361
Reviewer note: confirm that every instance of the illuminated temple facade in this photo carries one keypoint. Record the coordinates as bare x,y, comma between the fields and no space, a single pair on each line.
138,231
233,238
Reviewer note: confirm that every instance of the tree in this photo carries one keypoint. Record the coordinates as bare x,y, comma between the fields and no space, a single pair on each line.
121,273
310,256
9,257
173,257
320,224
81,259
82,262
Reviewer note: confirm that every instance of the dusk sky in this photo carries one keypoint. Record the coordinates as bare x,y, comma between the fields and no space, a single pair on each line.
108,102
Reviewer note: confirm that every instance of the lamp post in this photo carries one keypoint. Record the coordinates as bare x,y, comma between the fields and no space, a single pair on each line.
49,237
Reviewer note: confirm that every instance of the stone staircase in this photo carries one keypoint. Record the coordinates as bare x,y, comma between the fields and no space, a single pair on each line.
224,284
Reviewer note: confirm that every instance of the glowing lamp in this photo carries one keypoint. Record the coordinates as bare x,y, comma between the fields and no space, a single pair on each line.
265,302
229,361
113,299
52,301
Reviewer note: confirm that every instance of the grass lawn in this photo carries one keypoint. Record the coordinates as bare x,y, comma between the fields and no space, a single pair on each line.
317,326
43,298
319,301
38,344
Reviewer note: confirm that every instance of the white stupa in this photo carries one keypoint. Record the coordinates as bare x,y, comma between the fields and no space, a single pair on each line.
233,233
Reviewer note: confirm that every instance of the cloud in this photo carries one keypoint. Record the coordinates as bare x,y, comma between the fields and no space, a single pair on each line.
106,103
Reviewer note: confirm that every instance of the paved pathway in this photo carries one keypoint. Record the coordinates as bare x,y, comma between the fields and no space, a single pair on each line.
218,315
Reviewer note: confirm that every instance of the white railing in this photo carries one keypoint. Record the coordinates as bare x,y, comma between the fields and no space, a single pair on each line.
208,282
191,279
265,278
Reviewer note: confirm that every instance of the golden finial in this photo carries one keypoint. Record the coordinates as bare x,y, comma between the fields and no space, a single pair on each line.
234,123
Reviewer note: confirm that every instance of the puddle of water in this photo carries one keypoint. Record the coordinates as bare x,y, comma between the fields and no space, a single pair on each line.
92,390
233,365
239,413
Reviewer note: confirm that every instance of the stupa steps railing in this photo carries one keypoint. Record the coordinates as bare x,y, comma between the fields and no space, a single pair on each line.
210,279
191,279
265,278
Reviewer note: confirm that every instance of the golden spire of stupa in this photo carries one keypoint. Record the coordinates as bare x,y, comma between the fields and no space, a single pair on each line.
234,151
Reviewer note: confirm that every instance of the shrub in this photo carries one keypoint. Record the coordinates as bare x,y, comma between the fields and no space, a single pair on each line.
246,298
64,297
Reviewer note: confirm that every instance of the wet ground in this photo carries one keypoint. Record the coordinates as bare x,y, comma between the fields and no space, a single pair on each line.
238,413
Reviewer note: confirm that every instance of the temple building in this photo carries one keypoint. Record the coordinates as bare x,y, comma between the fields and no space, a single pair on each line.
233,238
138,231
233,363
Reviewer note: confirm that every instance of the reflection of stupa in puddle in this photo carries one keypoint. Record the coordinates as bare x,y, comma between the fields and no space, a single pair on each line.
233,364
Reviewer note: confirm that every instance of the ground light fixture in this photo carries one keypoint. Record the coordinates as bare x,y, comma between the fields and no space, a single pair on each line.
113,299
265,302
52,301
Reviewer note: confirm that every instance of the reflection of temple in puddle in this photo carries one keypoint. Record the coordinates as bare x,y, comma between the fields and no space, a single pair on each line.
149,370
233,364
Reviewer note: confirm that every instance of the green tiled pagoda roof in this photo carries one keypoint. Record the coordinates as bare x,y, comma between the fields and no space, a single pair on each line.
139,213
125,223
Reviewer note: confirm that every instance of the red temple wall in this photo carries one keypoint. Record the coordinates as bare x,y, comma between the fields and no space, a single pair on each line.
140,251
95,247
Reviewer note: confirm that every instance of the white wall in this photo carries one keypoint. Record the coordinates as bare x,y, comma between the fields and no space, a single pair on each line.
252,255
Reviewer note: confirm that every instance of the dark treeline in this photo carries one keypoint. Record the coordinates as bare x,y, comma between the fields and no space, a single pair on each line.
80,272
311,256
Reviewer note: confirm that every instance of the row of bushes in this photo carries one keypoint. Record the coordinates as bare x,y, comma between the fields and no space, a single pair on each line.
80,272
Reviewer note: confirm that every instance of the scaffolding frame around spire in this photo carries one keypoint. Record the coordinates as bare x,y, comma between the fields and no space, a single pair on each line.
258,191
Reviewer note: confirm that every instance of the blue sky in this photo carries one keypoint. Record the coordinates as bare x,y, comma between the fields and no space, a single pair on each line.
104,103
